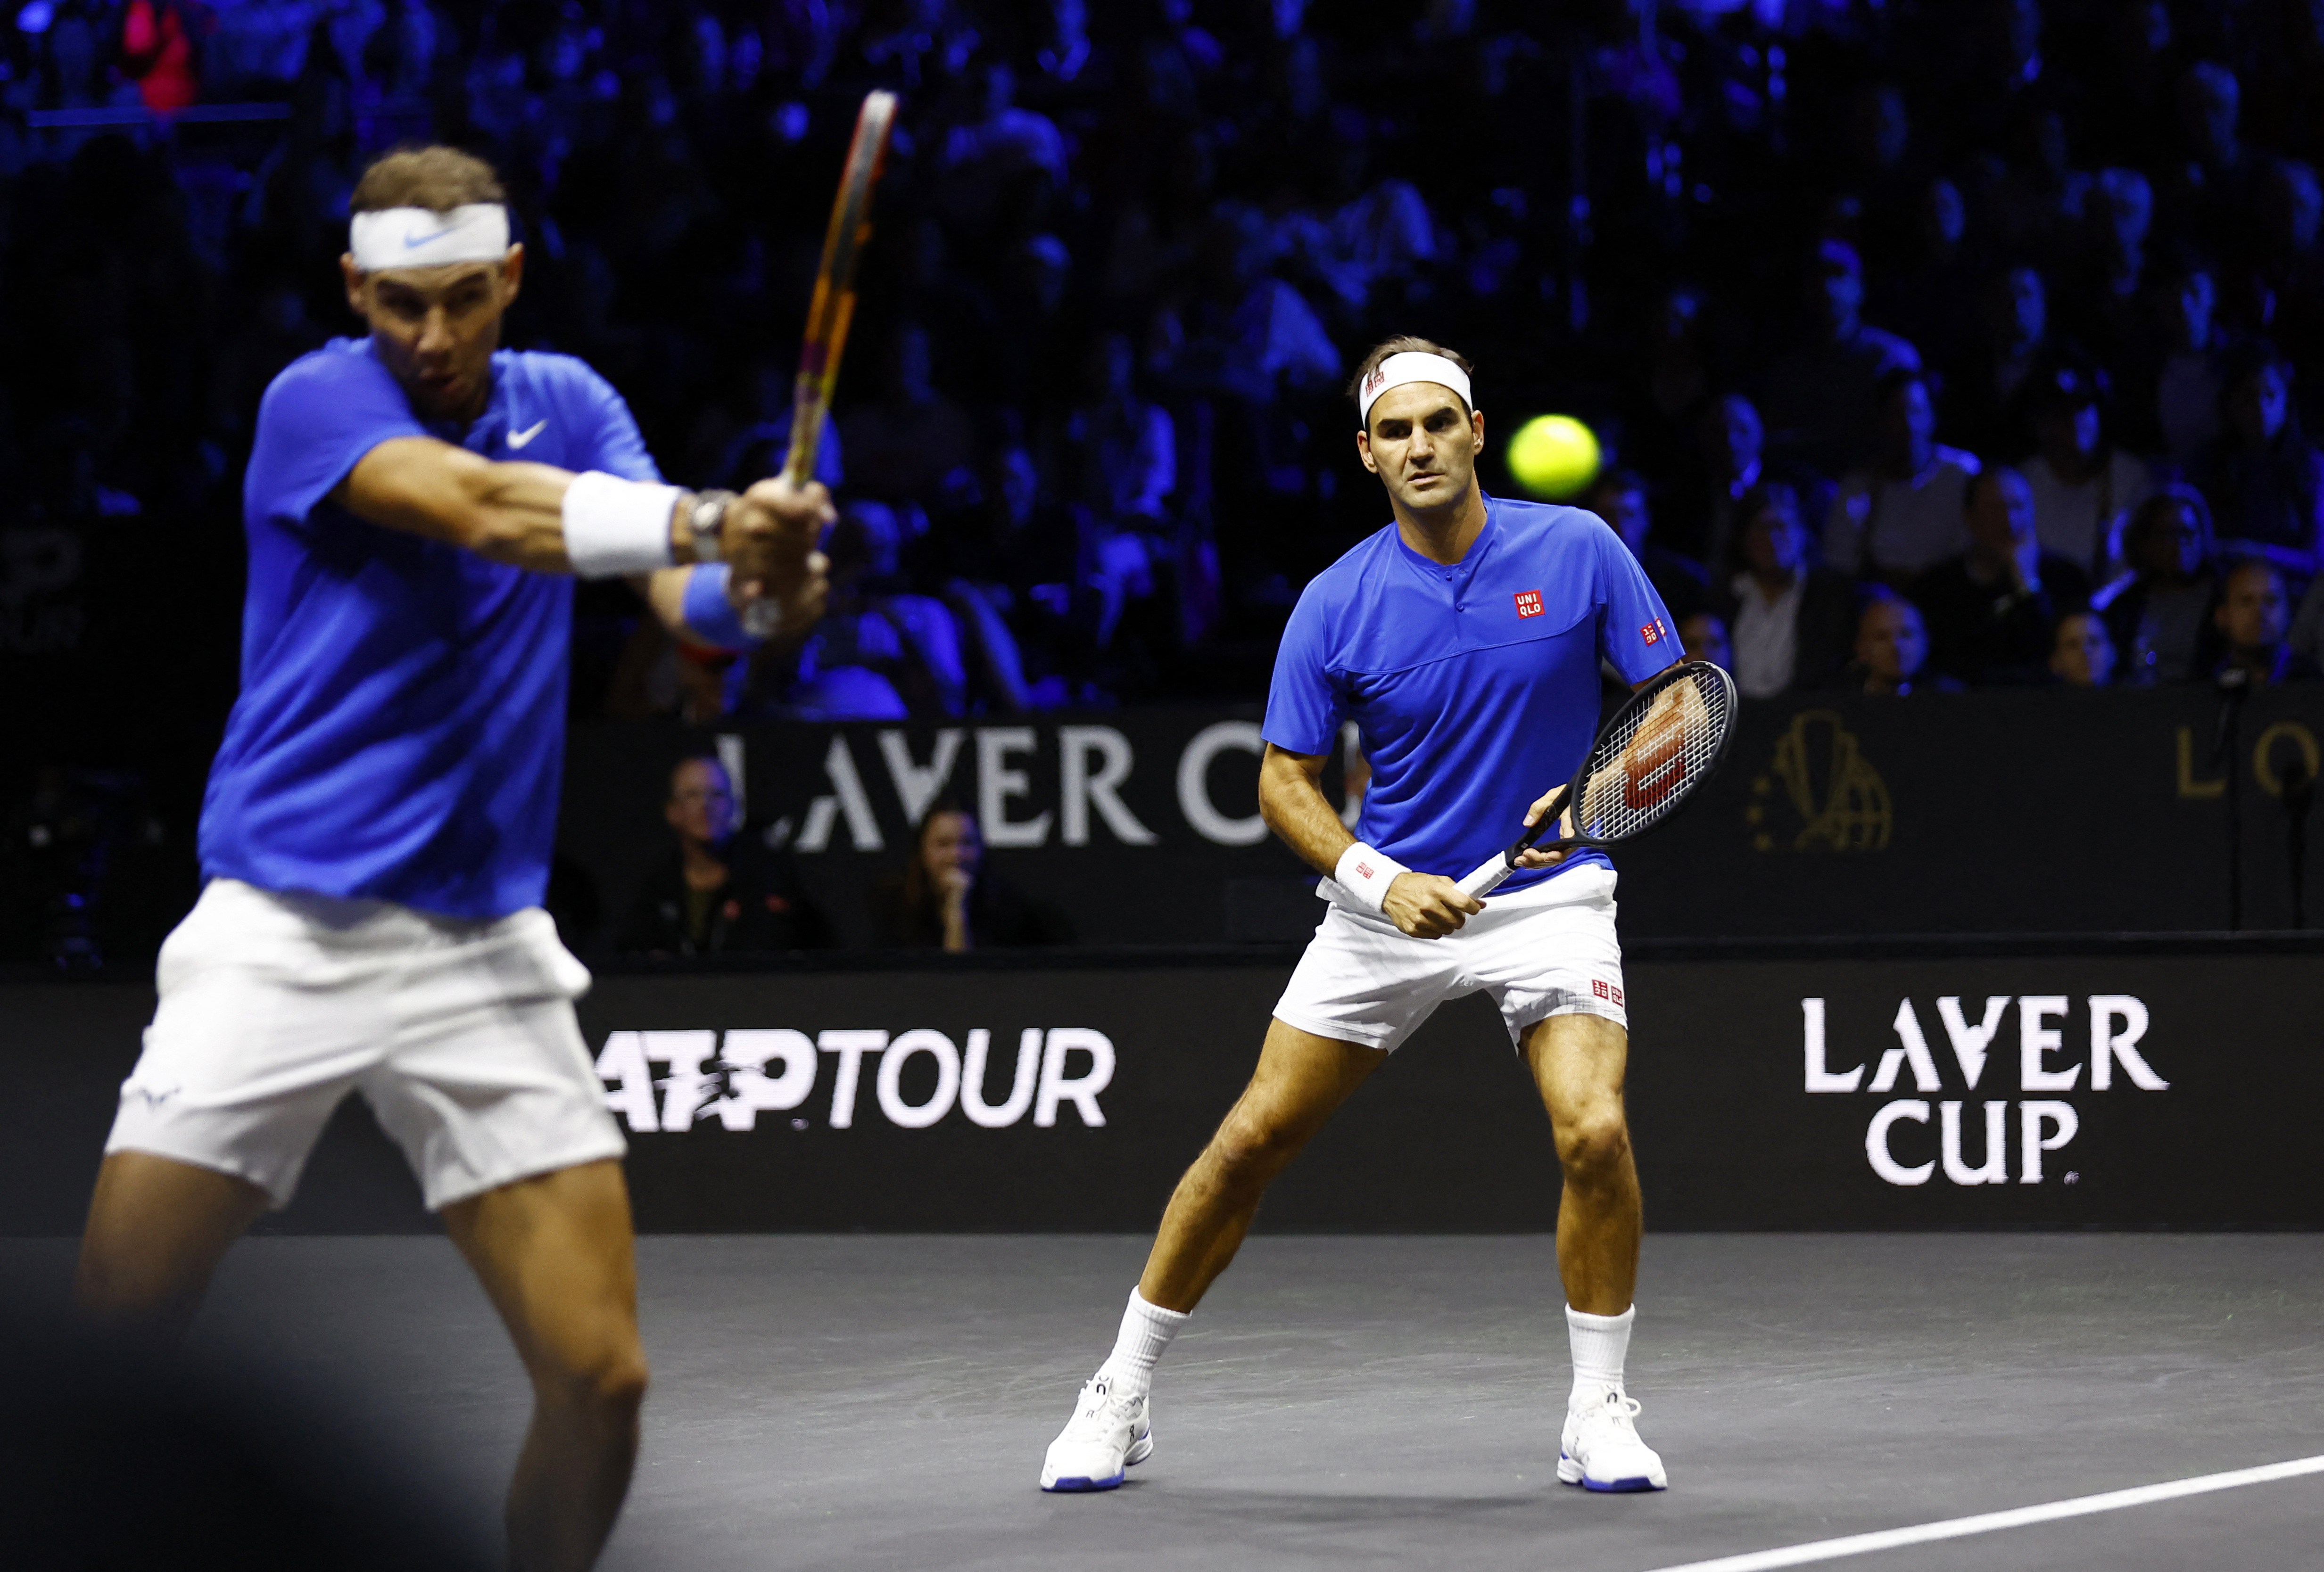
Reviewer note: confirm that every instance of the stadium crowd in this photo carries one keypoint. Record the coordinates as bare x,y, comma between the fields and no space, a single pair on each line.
1931,346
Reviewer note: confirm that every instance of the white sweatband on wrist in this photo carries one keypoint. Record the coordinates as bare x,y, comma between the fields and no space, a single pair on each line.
1411,366
614,528
1366,874
419,238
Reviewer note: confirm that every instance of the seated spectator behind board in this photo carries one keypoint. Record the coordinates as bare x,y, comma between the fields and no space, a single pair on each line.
1892,651
1901,515
720,895
2157,613
2265,480
1620,497
2081,655
2084,487
1992,612
1792,623
946,899
2252,617
1704,636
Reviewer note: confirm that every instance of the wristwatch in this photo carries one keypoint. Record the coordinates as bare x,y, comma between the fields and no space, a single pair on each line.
706,519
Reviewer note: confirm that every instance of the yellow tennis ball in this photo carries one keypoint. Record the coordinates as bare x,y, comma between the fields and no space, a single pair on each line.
1553,456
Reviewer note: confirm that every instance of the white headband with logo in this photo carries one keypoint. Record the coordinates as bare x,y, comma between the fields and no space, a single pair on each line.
1412,366
418,237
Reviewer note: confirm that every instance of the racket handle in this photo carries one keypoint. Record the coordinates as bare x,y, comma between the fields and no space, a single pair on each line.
1487,878
763,619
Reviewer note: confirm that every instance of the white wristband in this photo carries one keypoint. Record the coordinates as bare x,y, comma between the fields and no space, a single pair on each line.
614,526
1366,874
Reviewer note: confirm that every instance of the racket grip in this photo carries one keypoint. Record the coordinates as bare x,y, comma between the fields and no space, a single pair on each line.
763,619
1487,878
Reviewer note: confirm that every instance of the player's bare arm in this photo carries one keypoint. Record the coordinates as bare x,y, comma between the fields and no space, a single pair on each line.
1673,710
1291,800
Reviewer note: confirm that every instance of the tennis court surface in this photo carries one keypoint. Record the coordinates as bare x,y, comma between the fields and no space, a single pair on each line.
882,1400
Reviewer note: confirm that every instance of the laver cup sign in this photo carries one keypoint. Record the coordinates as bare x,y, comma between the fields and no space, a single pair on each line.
2038,1124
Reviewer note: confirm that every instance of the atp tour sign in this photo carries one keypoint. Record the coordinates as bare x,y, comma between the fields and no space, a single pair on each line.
2044,1124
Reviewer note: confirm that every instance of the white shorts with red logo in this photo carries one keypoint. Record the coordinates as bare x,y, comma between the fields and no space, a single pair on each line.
1547,950
460,1033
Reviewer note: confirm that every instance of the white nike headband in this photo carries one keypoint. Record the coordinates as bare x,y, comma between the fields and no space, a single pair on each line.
1411,366
419,237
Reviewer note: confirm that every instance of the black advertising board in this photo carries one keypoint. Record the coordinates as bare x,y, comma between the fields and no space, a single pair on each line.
2152,1085
2013,811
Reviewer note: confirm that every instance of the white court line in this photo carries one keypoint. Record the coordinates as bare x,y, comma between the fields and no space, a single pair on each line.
1987,1522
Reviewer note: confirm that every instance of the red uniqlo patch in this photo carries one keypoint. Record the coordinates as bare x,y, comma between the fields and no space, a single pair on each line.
1528,602
1363,870
1651,632
1597,986
1618,995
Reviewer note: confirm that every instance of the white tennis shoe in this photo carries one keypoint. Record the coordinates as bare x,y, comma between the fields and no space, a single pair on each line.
1108,1433
1601,1450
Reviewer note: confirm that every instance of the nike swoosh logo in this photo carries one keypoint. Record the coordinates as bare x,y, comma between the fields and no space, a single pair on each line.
518,438
414,242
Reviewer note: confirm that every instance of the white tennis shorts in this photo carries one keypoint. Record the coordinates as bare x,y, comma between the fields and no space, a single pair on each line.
460,1033
1547,950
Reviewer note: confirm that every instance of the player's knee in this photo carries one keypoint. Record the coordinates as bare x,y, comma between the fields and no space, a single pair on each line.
1250,1148
609,1384
1594,1145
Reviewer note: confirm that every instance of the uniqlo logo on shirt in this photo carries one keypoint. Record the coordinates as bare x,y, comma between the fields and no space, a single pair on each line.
1363,870
1651,632
1529,604
1597,986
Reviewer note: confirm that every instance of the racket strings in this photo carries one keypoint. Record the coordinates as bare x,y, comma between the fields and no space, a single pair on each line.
1646,764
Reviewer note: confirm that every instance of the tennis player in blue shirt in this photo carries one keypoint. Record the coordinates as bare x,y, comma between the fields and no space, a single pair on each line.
1464,640
375,836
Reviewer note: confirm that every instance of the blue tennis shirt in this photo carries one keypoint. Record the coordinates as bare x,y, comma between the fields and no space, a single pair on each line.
1474,687
401,729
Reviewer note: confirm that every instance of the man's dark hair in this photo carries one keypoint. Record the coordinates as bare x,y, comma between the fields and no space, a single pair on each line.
709,758
439,178
1405,345
1895,380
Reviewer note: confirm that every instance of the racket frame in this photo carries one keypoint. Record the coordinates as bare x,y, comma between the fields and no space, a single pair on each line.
831,308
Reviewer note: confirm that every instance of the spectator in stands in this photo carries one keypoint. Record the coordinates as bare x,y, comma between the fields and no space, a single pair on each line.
2081,655
948,899
1704,636
1824,397
880,653
1892,648
1992,612
2083,487
1619,497
2252,617
1793,622
913,443
2265,480
1984,408
1729,447
1903,514
719,894
2156,613
2178,392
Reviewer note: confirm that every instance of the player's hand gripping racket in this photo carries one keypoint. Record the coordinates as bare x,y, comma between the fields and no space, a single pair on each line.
831,307
1648,759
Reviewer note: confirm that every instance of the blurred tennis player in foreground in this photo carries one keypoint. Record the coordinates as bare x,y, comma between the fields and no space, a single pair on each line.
1464,640
375,837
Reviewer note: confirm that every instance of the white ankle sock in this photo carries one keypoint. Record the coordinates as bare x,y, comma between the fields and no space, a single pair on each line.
1599,1345
1146,1330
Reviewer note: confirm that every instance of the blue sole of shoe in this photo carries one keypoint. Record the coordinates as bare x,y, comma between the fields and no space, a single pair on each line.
1620,1487
1072,1486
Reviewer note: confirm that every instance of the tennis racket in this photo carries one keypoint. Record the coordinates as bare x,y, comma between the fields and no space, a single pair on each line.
1647,760
833,306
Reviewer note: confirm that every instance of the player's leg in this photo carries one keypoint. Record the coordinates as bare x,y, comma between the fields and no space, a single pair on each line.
157,1230
554,1254
1301,1081
1301,1078
1578,1062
